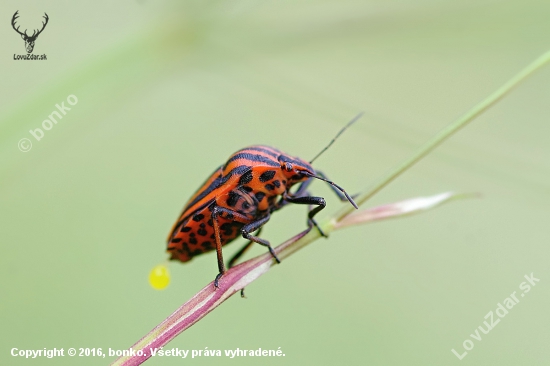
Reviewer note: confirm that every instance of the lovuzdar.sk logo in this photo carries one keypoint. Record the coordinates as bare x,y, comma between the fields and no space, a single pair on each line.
29,40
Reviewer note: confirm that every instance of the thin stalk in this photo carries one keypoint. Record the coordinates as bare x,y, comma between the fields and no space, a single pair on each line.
448,131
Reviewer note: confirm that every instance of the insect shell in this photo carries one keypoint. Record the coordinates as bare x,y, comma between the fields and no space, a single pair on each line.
238,199
247,187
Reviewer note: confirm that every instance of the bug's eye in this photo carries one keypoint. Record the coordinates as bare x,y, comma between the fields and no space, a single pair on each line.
288,167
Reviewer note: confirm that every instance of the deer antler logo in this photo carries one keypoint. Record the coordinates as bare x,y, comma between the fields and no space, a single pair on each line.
29,40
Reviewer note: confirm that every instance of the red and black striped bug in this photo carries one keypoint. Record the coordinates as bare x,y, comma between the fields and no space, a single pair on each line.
239,198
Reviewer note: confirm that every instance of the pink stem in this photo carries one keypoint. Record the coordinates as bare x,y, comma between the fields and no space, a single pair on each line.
202,303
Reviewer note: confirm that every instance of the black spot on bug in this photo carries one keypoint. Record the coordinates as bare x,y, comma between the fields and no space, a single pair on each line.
247,189
197,252
284,182
296,177
230,216
245,178
203,225
276,183
267,176
233,199
260,196
213,236
227,229
206,245
185,229
192,240
176,240
246,205
210,222
202,232
192,235
198,217
269,187
171,248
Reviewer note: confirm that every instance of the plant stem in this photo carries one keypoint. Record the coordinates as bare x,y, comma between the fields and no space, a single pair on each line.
448,131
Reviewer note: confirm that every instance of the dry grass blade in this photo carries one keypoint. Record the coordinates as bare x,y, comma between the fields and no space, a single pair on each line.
397,209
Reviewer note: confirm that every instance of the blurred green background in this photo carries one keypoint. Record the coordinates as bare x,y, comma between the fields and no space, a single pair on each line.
168,90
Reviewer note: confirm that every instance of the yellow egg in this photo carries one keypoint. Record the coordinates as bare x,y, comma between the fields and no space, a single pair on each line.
159,277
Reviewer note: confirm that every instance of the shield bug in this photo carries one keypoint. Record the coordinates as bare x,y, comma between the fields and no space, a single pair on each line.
239,198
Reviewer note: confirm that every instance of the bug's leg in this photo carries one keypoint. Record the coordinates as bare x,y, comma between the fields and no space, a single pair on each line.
334,189
237,255
221,266
310,200
302,188
246,230
230,214
253,226
301,191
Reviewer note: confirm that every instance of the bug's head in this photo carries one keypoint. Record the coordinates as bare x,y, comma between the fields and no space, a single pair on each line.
295,169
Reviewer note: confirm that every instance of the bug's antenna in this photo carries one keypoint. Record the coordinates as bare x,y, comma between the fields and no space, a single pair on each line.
337,135
334,185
